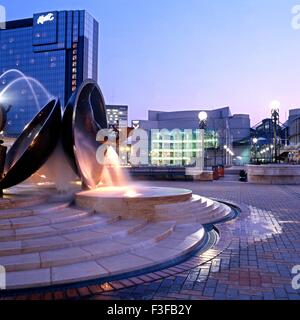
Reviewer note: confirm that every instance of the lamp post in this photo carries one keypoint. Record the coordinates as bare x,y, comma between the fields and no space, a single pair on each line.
255,141
275,108
202,116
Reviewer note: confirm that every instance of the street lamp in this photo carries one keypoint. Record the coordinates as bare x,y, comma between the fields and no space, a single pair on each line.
255,141
202,119
275,108
275,105
202,116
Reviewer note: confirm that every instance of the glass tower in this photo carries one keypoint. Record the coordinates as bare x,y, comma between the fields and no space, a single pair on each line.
57,49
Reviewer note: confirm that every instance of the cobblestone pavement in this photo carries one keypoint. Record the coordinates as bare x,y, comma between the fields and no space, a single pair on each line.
253,259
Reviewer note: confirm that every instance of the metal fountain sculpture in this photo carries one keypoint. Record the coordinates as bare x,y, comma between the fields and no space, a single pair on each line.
83,117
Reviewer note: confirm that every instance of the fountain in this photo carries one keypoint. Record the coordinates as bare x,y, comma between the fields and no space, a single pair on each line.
111,228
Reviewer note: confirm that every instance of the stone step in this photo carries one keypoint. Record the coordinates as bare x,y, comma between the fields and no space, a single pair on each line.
216,218
31,211
182,213
151,234
56,229
44,219
210,211
11,202
195,202
67,240
209,218
219,212
183,239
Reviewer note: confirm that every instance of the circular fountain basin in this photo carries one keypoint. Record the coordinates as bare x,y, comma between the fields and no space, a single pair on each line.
130,201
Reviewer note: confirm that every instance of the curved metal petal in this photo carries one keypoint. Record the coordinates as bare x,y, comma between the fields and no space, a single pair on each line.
34,146
84,116
67,132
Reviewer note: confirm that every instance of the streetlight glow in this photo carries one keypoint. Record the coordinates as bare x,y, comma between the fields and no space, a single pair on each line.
275,105
202,116
255,140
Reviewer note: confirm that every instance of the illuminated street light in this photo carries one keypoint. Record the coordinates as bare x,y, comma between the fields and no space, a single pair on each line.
275,108
255,140
275,105
202,116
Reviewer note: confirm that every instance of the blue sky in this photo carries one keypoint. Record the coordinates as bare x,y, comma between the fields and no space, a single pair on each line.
190,54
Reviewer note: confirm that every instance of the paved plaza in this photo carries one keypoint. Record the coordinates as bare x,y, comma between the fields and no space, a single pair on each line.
252,260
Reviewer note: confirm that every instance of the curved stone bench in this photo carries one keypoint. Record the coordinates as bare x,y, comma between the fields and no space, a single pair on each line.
274,174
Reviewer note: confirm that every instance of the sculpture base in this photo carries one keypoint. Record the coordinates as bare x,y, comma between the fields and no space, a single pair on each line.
130,201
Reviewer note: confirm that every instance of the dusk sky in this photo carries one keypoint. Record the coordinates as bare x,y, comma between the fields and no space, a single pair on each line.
191,54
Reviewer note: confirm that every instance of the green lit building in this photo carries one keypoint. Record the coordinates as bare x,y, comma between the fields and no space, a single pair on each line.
174,137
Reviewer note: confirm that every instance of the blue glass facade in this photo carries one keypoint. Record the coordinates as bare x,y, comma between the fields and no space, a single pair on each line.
59,49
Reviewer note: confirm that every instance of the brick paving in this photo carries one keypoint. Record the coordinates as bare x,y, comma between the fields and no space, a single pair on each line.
252,261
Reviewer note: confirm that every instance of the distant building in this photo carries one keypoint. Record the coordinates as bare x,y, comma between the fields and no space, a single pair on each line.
294,127
117,115
264,132
57,48
223,129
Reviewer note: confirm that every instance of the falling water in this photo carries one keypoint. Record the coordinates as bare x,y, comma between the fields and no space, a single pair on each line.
56,171
28,80
112,173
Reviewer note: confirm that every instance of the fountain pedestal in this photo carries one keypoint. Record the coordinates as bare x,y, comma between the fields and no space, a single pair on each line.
130,202
152,204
